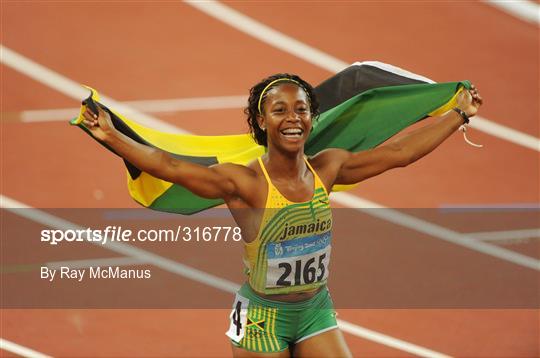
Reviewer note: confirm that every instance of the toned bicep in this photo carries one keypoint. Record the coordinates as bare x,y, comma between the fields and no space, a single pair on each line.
366,164
212,182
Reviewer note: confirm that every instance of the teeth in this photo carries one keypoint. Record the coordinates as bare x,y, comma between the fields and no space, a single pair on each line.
293,131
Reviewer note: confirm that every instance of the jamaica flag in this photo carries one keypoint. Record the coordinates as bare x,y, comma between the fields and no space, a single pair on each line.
361,107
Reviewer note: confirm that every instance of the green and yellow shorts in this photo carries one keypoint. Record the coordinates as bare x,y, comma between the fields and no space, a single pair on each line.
265,326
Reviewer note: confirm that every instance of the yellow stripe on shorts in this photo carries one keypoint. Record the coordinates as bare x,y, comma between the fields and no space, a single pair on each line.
269,329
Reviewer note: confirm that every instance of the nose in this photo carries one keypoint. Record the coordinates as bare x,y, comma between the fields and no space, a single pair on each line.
293,117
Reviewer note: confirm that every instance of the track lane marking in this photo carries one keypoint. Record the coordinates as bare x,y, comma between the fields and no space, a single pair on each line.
522,9
507,235
147,106
47,219
191,273
330,63
34,70
387,340
509,134
20,350
411,222
73,89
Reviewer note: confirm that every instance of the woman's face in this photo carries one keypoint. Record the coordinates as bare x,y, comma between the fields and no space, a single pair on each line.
286,117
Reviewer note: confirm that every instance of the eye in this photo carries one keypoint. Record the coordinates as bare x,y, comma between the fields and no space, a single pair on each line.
278,110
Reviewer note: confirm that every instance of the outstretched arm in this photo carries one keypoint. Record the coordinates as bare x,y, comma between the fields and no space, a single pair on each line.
208,182
356,167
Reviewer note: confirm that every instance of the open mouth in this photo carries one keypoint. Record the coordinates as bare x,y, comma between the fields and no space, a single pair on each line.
292,133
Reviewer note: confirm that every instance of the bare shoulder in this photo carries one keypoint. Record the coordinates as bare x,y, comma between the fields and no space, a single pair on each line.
234,170
328,159
327,164
241,175
247,179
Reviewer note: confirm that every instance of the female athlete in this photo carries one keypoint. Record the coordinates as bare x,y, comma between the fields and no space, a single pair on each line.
284,309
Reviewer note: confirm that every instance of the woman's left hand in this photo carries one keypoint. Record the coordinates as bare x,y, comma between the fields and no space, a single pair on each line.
469,101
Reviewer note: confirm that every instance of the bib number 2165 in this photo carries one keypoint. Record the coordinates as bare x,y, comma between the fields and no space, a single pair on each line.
307,274
300,270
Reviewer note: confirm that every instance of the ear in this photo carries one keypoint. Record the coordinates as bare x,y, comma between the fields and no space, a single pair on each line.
261,122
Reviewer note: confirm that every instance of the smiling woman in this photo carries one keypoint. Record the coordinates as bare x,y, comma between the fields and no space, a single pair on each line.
258,99
284,308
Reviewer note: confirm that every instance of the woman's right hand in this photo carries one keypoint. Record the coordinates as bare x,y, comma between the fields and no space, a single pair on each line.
99,124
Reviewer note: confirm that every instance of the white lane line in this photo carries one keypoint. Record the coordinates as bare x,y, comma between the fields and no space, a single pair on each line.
20,350
433,230
190,104
175,267
148,106
74,90
522,9
35,72
506,133
314,56
233,102
268,35
389,341
52,221
506,235
109,261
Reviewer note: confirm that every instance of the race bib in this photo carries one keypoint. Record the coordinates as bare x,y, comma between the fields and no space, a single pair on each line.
298,262
238,318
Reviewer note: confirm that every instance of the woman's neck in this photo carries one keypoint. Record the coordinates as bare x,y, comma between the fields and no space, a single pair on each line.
289,166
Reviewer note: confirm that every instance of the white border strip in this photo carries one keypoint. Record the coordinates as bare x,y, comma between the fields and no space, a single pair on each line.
175,267
316,57
20,350
316,333
66,86
395,70
522,9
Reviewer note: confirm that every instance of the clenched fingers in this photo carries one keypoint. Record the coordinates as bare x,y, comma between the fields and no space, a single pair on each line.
90,119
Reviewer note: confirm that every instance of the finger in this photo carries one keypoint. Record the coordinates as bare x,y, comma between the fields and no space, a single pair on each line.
89,109
478,101
88,123
91,114
469,97
88,114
